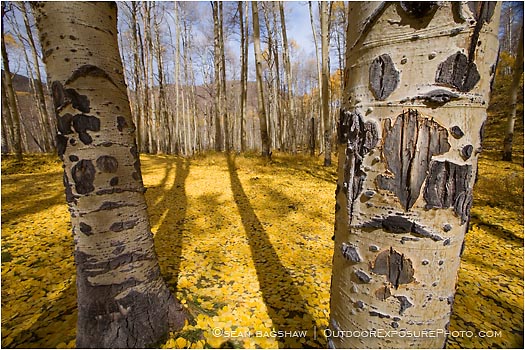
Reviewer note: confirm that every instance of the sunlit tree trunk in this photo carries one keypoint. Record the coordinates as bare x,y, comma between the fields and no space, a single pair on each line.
319,70
244,71
409,137
324,84
219,140
265,141
122,300
136,74
511,120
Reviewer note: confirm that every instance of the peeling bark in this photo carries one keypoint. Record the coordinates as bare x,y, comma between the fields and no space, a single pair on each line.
384,77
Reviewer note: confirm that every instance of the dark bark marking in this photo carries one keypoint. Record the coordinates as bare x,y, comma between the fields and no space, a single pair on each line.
424,262
466,152
378,314
63,97
86,229
483,10
64,124
394,324
384,77
113,181
110,205
70,198
83,174
82,123
360,304
89,70
435,98
61,145
107,144
457,12
350,253
399,224
456,132
73,158
107,164
404,303
456,71
123,225
395,266
118,250
448,186
362,276
418,9
121,123
382,293
360,137
373,248
408,148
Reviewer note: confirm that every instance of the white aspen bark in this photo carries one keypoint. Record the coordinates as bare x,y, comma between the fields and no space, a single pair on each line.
418,83
325,108
511,120
265,141
122,300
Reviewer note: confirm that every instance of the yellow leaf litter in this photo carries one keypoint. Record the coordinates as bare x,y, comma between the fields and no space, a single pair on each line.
246,246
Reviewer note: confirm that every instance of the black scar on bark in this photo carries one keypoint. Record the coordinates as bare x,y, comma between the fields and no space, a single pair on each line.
70,198
399,224
123,225
448,187
456,71
61,145
360,138
456,132
404,303
395,266
435,98
62,97
384,77
362,276
418,9
83,174
86,229
110,205
89,70
107,164
82,123
113,181
121,123
466,152
408,147
350,253
73,158
378,314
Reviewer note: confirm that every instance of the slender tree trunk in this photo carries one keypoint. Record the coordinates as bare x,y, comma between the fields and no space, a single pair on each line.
122,300
319,74
224,106
511,120
8,86
217,76
265,141
324,86
7,123
409,138
244,72
288,80
42,106
136,74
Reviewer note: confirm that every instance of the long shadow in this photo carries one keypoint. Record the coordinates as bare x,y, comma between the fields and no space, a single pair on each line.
168,239
286,307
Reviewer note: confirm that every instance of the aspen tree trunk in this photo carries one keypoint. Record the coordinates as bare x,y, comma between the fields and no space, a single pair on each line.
244,75
7,123
136,74
265,141
217,76
324,84
319,71
222,62
7,84
122,300
176,146
511,120
288,80
418,80
42,106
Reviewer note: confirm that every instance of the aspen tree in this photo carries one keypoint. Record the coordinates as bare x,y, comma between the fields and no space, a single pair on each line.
416,91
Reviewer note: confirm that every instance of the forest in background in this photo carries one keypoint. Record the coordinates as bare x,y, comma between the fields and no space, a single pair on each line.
198,93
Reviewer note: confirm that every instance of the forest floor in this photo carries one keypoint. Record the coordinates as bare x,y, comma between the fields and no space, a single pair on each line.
246,246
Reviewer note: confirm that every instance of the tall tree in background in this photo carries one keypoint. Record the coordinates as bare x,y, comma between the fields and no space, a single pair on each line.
243,28
7,85
514,87
325,94
265,141
409,138
120,291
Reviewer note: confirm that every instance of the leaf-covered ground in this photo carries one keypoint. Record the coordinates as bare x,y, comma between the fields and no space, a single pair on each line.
247,247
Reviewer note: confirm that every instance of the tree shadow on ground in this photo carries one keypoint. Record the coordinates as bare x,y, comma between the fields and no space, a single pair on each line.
172,208
285,305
